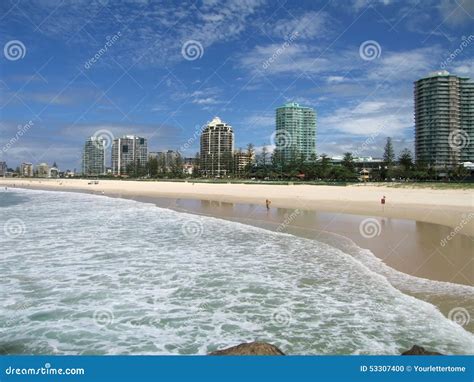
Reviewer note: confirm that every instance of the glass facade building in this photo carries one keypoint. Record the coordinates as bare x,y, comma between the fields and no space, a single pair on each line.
444,119
93,157
295,134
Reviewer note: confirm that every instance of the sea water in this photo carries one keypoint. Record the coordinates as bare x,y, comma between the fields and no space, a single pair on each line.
86,274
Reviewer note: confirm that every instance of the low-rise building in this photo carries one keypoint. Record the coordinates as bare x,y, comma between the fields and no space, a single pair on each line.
42,170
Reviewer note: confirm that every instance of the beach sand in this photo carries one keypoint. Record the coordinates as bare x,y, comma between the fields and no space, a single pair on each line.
410,234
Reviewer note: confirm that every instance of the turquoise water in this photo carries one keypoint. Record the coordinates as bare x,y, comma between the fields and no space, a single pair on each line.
84,274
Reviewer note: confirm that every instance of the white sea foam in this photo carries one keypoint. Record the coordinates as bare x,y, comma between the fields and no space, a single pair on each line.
161,290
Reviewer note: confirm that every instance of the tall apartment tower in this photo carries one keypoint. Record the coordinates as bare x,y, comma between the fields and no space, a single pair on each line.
93,156
444,119
126,151
217,147
295,134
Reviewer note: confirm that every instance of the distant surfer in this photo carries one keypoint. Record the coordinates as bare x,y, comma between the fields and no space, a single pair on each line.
267,203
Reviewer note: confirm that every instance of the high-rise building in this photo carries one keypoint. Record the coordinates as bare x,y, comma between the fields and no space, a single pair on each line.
93,156
129,150
217,147
26,170
295,134
3,168
444,119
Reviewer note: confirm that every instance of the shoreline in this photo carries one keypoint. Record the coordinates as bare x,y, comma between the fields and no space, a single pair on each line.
410,266
444,207
389,238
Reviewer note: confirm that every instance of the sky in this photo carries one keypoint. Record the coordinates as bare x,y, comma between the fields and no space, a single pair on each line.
72,69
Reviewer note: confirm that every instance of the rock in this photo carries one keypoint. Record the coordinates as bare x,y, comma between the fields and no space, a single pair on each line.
419,350
251,348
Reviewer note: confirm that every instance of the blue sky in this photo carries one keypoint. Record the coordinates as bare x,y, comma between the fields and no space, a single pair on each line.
163,68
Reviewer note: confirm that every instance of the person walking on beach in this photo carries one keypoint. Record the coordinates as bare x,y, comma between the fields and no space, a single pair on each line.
382,202
267,203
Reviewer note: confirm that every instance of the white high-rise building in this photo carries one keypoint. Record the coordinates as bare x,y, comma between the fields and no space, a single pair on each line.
127,151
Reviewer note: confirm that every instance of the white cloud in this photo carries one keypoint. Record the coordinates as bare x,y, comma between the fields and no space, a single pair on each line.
389,117
308,25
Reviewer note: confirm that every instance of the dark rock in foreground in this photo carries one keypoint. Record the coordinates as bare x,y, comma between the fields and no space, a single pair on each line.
251,348
419,350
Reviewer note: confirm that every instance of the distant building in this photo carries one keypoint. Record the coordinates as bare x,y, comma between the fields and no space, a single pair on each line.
127,151
53,172
26,170
242,159
42,170
295,133
189,166
444,119
3,168
166,159
93,156
217,147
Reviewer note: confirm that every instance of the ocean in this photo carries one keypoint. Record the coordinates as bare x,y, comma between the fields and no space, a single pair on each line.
88,274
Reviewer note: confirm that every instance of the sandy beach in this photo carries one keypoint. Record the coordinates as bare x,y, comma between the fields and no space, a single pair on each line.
445,207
